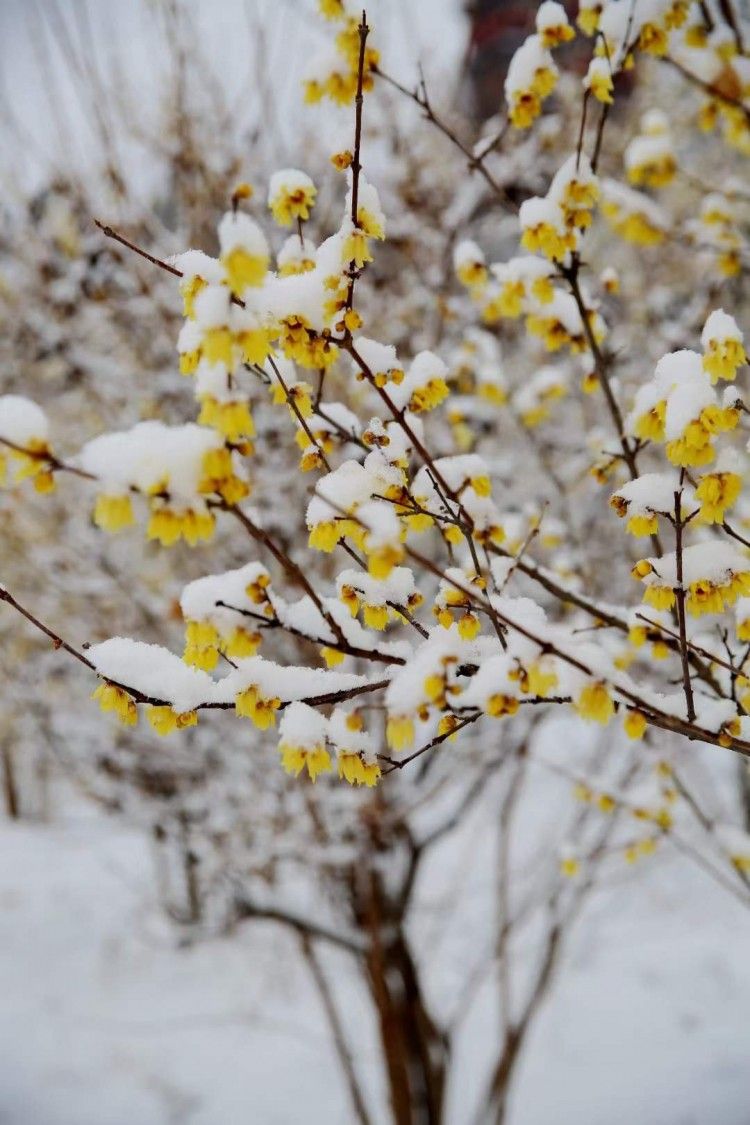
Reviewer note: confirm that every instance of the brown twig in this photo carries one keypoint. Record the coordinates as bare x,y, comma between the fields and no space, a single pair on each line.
707,88
109,232
475,162
680,596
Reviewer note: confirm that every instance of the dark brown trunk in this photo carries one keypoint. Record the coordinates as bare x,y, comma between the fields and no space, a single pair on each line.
10,787
414,1051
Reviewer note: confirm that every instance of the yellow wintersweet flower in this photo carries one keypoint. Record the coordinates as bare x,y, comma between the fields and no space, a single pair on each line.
589,14
546,239
695,447
500,704
599,81
723,357
717,492
399,732
116,699
332,9
595,703
635,724
653,39
232,419
429,396
217,346
190,287
325,535
244,270
33,461
251,704
741,861
113,513
315,759
554,34
659,597
743,629
375,616
728,732
357,249
342,160
164,720
524,108
291,196
356,771
570,867
642,525
468,626
241,643
349,596
381,560
201,645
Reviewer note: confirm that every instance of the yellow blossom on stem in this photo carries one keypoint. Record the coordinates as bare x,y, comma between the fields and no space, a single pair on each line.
375,616
315,759
500,704
164,720
117,700
353,768
722,358
244,270
399,732
251,704
595,703
717,492
240,643
201,645
291,196
635,724
570,867
642,525
659,597
113,513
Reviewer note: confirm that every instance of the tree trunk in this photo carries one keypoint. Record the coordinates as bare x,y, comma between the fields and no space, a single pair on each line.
10,787
414,1051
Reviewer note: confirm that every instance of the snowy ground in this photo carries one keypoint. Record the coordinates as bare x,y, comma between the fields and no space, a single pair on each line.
106,1021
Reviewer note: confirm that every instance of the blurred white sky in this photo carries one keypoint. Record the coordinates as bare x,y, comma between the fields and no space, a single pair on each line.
44,44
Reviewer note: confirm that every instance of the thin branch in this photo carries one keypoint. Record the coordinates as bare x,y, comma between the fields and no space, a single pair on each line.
707,88
246,908
349,649
398,764
680,596
475,162
291,567
337,1030
109,232
57,641
363,31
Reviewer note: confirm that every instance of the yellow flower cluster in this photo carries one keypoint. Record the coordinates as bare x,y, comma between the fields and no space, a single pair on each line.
167,525
337,77
594,703
250,703
32,462
118,701
113,513
315,759
165,719
695,446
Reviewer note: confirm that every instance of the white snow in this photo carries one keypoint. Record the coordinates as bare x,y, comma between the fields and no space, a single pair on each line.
285,682
21,420
154,671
